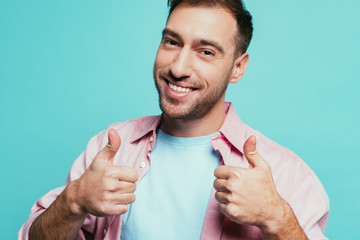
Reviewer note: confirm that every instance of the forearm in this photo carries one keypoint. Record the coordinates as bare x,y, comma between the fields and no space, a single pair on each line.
60,221
285,226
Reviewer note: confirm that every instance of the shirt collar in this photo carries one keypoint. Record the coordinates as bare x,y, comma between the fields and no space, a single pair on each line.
233,129
146,125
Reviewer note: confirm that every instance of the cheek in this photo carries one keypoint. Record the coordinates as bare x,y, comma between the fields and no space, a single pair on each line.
209,73
163,58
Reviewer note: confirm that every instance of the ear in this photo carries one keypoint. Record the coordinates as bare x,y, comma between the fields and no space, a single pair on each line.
240,65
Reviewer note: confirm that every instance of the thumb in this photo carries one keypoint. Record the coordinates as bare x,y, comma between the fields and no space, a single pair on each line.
112,147
251,154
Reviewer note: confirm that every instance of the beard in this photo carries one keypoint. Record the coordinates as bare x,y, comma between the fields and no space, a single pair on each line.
197,108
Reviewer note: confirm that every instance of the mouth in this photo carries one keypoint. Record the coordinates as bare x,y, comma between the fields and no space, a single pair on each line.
180,89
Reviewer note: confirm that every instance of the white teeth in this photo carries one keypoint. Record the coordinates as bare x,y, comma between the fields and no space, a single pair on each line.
179,89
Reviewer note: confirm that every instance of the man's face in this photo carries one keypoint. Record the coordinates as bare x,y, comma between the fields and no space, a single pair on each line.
195,61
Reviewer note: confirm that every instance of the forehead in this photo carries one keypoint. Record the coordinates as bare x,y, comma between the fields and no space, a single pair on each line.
209,23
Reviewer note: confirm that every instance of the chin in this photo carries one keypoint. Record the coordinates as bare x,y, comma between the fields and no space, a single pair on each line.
179,111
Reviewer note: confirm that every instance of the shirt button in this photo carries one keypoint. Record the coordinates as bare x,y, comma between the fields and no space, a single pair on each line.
104,232
151,139
142,165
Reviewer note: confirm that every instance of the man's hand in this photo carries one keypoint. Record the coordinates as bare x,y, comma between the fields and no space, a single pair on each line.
105,189
249,196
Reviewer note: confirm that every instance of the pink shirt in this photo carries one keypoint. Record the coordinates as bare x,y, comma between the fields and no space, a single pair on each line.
294,180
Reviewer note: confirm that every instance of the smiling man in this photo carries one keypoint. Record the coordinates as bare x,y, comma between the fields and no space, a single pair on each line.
197,171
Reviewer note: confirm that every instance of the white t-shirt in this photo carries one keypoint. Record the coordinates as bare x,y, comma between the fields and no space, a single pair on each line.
172,198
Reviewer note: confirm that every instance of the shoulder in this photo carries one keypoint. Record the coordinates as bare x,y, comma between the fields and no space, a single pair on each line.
273,152
297,184
290,172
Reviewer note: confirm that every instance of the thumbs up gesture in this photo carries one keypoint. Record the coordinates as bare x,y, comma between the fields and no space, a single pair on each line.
105,189
248,195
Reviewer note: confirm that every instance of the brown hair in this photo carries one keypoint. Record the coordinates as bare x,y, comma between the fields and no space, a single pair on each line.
236,8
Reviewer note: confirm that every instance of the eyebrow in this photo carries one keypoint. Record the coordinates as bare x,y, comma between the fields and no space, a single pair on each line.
199,41
210,43
167,31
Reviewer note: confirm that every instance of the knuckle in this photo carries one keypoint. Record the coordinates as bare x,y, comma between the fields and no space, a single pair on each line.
232,186
109,172
217,196
121,209
105,197
216,184
126,187
231,210
216,172
135,175
234,174
219,170
126,198
109,186
132,198
124,209
252,153
133,187
230,198
223,208
121,186
103,209
129,173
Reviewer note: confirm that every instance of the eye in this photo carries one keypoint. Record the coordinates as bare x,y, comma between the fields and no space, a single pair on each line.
172,42
168,42
208,53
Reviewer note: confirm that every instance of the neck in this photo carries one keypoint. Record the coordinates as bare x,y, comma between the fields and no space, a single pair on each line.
206,125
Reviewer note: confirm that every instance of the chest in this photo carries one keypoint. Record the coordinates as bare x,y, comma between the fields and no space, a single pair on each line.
172,197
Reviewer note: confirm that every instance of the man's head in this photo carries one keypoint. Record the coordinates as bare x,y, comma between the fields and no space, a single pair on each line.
197,58
236,8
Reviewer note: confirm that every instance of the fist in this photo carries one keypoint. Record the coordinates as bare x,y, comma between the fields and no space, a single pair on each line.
105,189
248,195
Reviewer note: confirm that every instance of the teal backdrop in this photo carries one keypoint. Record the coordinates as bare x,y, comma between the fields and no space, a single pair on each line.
70,68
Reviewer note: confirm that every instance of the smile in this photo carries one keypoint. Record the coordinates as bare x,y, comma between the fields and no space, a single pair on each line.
180,89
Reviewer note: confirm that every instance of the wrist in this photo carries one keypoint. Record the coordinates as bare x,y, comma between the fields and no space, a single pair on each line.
72,201
280,221
283,225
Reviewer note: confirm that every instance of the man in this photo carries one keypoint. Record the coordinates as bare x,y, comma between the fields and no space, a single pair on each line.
260,191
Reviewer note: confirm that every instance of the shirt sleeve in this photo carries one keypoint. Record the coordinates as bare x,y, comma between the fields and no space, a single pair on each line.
310,204
77,169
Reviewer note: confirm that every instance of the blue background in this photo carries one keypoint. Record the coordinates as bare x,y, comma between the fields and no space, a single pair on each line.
70,68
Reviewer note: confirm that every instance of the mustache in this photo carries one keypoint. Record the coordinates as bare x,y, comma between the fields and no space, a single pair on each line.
171,78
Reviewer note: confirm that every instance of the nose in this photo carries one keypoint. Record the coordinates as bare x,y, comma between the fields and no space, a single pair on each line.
182,65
